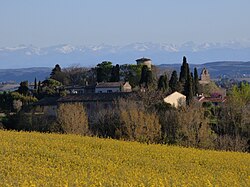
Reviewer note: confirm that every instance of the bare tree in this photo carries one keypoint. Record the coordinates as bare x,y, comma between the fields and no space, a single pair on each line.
72,118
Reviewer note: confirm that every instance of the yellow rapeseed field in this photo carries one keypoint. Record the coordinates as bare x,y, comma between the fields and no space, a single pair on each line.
35,159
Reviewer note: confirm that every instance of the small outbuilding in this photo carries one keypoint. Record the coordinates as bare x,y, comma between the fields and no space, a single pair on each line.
176,99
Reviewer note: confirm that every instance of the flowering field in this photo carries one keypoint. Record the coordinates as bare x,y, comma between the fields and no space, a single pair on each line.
34,159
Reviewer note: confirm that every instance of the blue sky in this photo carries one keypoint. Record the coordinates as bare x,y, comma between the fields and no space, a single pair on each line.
119,22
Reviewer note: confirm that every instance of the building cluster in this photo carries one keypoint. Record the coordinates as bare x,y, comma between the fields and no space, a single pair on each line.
102,95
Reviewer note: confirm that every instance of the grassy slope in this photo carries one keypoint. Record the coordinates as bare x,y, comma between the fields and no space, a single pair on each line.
59,160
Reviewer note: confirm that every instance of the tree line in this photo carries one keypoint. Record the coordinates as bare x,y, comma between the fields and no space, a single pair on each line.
144,116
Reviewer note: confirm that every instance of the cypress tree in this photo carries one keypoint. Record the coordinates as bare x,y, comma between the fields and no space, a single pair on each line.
115,74
184,71
39,87
146,76
35,85
196,82
189,90
173,82
163,83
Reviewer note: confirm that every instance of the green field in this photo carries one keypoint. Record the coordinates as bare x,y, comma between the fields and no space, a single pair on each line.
35,159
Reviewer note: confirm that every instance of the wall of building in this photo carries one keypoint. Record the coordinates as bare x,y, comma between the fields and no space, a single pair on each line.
107,90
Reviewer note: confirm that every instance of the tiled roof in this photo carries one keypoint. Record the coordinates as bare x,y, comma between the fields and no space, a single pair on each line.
47,101
143,59
212,99
108,84
93,97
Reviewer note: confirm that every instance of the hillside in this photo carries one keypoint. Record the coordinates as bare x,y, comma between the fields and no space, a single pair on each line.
23,74
29,159
231,69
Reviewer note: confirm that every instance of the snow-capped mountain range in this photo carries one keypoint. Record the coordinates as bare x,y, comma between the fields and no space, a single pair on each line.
66,55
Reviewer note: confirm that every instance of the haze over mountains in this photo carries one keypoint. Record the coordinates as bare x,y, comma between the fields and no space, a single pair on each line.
27,62
30,56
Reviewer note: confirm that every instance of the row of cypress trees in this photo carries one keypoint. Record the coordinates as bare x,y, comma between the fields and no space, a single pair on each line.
187,83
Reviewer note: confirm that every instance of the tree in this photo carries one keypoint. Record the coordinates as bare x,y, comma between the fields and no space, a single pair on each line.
55,70
115,74
76,75
189,89
35,84
184,71
39,87
174,83
196,82
146,76
131,73
103,71
233,120
137,123
163,83
57,74
6,101
49,87
72,118
24,88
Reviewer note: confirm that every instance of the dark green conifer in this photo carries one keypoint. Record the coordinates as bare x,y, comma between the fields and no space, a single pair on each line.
196,82
184,71
173,82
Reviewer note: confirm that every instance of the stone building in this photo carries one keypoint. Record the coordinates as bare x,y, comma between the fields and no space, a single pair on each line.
176,99
205,77
144,61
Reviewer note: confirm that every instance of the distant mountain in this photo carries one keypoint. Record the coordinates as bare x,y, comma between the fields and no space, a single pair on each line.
18,75
231,69
66,55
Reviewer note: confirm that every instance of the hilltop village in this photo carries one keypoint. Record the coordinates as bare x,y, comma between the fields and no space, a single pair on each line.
135,102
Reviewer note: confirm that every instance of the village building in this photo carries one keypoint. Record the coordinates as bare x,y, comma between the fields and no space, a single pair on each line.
215,99
112,87
205,77
101,87
176,99
145,61
91,101
46,106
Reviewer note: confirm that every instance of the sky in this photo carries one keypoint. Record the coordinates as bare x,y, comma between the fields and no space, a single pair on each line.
119,22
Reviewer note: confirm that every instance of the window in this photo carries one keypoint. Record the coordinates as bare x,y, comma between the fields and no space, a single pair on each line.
109,91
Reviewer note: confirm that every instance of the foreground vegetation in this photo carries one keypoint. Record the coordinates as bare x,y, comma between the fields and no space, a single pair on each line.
36,159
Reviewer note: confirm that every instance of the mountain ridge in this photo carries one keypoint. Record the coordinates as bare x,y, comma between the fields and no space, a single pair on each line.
231,69
24,56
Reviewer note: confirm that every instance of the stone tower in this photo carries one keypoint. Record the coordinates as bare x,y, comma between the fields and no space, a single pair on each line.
144,61
205,77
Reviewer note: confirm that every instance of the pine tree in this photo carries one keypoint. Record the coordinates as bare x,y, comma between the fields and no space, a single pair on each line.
103,71
24,88
173,82
55,70
57,74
